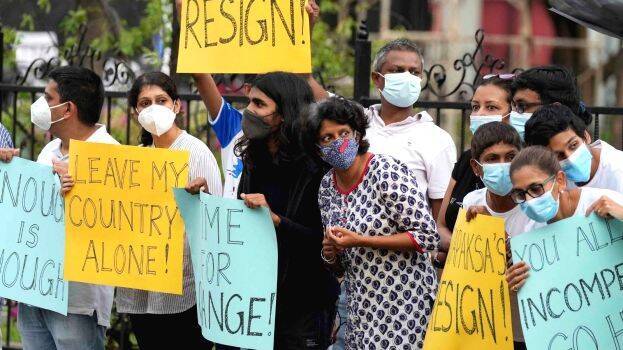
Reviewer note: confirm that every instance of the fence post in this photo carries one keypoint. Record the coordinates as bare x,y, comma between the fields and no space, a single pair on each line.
363,52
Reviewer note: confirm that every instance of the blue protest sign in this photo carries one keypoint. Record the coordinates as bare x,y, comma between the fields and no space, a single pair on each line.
234,255
32,237
573,297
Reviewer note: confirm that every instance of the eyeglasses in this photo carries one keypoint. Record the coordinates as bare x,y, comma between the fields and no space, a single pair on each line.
521,107
534,191
503,76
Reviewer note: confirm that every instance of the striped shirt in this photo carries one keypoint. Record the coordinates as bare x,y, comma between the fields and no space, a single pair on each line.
133,301
5,138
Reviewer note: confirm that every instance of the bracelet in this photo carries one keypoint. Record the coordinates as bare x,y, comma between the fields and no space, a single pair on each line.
332,261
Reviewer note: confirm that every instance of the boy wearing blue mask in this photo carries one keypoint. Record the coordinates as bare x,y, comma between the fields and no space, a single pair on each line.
494,146
397,130
597,164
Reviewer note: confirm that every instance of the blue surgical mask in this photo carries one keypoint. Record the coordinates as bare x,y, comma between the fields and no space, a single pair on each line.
340,153
518,121
476,121
577,166
541,209
497,178
401,89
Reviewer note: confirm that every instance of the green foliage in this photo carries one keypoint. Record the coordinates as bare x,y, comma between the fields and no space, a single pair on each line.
27,23
10,37
44,5
332,55
132,41
70,26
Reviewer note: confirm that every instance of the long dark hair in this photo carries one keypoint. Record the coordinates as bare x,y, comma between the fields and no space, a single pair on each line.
159,79
291,94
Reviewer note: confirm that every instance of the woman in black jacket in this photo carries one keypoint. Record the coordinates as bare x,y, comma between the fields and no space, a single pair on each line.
279,176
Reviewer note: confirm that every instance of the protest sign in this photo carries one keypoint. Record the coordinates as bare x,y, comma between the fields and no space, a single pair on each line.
32,238
123,226
234,255
244,36
573,297
472,309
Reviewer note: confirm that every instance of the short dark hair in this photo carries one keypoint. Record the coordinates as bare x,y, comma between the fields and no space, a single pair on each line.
538,156
491,134
82,87
159,79
339,110
550,120
402,44
553,83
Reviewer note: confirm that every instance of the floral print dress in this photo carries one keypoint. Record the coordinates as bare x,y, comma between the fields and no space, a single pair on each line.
390,293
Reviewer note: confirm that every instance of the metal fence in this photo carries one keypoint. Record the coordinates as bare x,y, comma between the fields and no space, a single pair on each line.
447,104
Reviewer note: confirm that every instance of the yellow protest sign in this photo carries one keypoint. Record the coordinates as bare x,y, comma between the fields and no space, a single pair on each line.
472,309
244,36
123,226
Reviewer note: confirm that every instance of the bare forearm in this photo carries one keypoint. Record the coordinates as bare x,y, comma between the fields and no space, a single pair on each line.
320,94
435,206
445,236
400,241
209,92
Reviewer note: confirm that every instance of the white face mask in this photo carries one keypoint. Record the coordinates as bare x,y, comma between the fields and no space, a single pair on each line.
401,89
156,119
476,121
41,114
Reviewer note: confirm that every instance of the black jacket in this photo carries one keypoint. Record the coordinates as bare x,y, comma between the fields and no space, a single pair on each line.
304,284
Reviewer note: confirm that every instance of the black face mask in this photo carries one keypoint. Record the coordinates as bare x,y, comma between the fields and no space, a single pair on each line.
254,127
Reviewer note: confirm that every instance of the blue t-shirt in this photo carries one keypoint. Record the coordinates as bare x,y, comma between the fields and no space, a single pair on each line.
228,128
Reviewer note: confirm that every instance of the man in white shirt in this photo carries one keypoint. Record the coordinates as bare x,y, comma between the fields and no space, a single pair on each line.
397,130
597,164
70,109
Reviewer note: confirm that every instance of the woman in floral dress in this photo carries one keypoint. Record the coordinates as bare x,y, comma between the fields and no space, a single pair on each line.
378,228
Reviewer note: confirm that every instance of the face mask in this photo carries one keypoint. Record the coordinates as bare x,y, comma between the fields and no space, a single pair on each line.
577,166
340,153
541,209
476,121
401,89
253,126
156,119
497,178
41,114
518,121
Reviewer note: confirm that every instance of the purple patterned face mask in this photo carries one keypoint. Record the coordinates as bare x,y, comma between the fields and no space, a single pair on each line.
340,153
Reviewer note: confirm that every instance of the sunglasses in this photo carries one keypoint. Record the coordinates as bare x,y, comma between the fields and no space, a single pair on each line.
503,76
